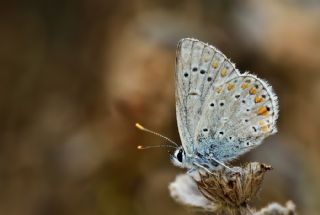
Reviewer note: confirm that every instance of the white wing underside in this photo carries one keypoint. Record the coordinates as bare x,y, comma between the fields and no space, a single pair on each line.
217,106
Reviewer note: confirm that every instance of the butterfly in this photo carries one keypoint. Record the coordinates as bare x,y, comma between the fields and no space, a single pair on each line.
221,113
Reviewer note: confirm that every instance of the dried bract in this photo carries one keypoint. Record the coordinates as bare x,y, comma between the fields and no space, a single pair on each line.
185,191
277,209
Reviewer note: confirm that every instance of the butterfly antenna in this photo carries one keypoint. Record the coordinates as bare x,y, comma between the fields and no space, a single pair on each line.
155,133
159,146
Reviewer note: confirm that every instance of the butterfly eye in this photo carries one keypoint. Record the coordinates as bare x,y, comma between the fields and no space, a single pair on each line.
179,156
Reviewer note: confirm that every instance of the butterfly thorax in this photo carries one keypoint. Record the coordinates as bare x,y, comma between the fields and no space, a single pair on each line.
203,161
194,161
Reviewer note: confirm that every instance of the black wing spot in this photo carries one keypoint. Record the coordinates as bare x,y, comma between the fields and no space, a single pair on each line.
205,129
195,69
221,104
209,79
186,74
193,93
213,146
202,71
212,105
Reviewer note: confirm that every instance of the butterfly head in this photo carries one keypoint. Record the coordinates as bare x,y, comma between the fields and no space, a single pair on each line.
179,157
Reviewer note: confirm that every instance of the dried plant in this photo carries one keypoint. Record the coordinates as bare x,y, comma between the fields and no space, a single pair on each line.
225,191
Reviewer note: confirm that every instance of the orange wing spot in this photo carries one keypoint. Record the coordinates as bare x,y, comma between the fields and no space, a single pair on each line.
244,86
215,64
219,89
258,99
252,90
230,86
262,123
223,72
264,129
262,111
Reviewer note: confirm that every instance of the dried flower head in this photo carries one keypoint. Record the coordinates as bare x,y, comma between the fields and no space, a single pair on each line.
232,190
223,191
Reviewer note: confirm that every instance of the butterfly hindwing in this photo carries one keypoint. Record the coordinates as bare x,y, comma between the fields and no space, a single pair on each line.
238,117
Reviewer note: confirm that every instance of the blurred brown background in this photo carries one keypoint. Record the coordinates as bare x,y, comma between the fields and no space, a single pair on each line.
76,75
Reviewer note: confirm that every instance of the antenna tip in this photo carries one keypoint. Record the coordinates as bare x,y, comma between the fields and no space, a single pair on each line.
139,126
139,147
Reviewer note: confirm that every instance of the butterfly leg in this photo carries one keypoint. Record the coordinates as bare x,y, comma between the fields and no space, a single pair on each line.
204,168
222,164
191,171
194,173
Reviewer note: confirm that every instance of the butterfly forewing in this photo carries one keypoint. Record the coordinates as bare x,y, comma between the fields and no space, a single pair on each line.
197,68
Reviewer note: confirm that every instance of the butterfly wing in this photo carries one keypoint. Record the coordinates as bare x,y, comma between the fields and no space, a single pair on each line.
196,67
220,111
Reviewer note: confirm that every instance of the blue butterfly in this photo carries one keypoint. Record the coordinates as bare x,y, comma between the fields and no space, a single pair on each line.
221,113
